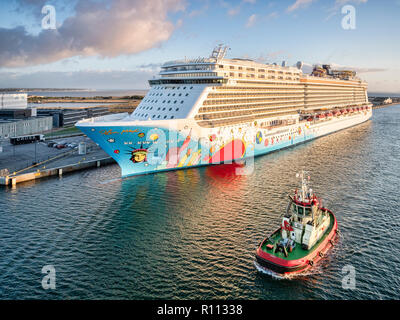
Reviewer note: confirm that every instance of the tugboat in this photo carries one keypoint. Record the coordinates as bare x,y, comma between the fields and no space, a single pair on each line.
305,236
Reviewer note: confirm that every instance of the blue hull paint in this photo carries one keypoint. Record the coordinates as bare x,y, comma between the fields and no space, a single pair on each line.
144,149
123,143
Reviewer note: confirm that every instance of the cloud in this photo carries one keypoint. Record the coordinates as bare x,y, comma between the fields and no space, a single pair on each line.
233,11
99,28
272,15
251,21
299,4
198,12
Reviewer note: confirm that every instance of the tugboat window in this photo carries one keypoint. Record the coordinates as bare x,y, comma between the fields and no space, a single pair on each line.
300,210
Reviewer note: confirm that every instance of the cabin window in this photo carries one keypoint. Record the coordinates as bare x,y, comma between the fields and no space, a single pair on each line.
308,211
294,209
300,209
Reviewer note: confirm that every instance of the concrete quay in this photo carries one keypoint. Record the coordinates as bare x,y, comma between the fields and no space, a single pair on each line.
36,161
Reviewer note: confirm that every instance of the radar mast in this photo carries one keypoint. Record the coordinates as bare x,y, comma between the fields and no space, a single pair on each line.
219,52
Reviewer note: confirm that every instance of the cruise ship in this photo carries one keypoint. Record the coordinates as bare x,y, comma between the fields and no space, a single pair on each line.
215,110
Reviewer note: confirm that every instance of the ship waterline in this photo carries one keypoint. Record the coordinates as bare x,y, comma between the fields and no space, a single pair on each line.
216,110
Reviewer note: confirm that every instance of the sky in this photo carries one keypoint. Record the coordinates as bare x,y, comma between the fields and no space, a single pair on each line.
120,44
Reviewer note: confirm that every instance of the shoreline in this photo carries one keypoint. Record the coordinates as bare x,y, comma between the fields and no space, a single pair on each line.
380,106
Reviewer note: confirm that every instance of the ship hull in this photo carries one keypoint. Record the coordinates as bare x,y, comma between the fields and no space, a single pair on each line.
144,147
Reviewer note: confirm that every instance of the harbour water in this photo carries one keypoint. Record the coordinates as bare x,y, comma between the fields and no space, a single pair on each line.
192,234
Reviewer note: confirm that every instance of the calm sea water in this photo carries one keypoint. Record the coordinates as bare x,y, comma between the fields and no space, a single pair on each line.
192,234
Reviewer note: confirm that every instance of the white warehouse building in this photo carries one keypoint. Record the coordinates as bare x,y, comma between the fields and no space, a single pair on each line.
13,101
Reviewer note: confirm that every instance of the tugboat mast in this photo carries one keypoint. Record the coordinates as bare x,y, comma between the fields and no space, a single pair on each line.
304,188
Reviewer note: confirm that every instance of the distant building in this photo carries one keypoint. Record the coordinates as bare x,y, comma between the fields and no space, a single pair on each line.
67,117
17,113
387,101
20,127
18,119
13,101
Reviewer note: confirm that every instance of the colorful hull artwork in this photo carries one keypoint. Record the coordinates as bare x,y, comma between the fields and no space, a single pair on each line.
140,149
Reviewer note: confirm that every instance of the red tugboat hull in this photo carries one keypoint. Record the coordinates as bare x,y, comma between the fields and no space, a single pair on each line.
286,267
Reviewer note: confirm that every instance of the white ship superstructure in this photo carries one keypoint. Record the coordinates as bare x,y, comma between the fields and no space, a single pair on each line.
219,103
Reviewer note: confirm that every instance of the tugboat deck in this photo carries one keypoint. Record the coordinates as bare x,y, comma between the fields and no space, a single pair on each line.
298,252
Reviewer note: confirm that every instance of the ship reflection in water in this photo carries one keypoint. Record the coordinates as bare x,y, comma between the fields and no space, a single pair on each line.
192,233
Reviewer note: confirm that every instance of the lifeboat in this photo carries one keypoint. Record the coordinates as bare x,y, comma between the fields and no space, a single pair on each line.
305,236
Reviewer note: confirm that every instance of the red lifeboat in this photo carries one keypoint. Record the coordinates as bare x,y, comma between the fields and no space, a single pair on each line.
344,111
310,118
